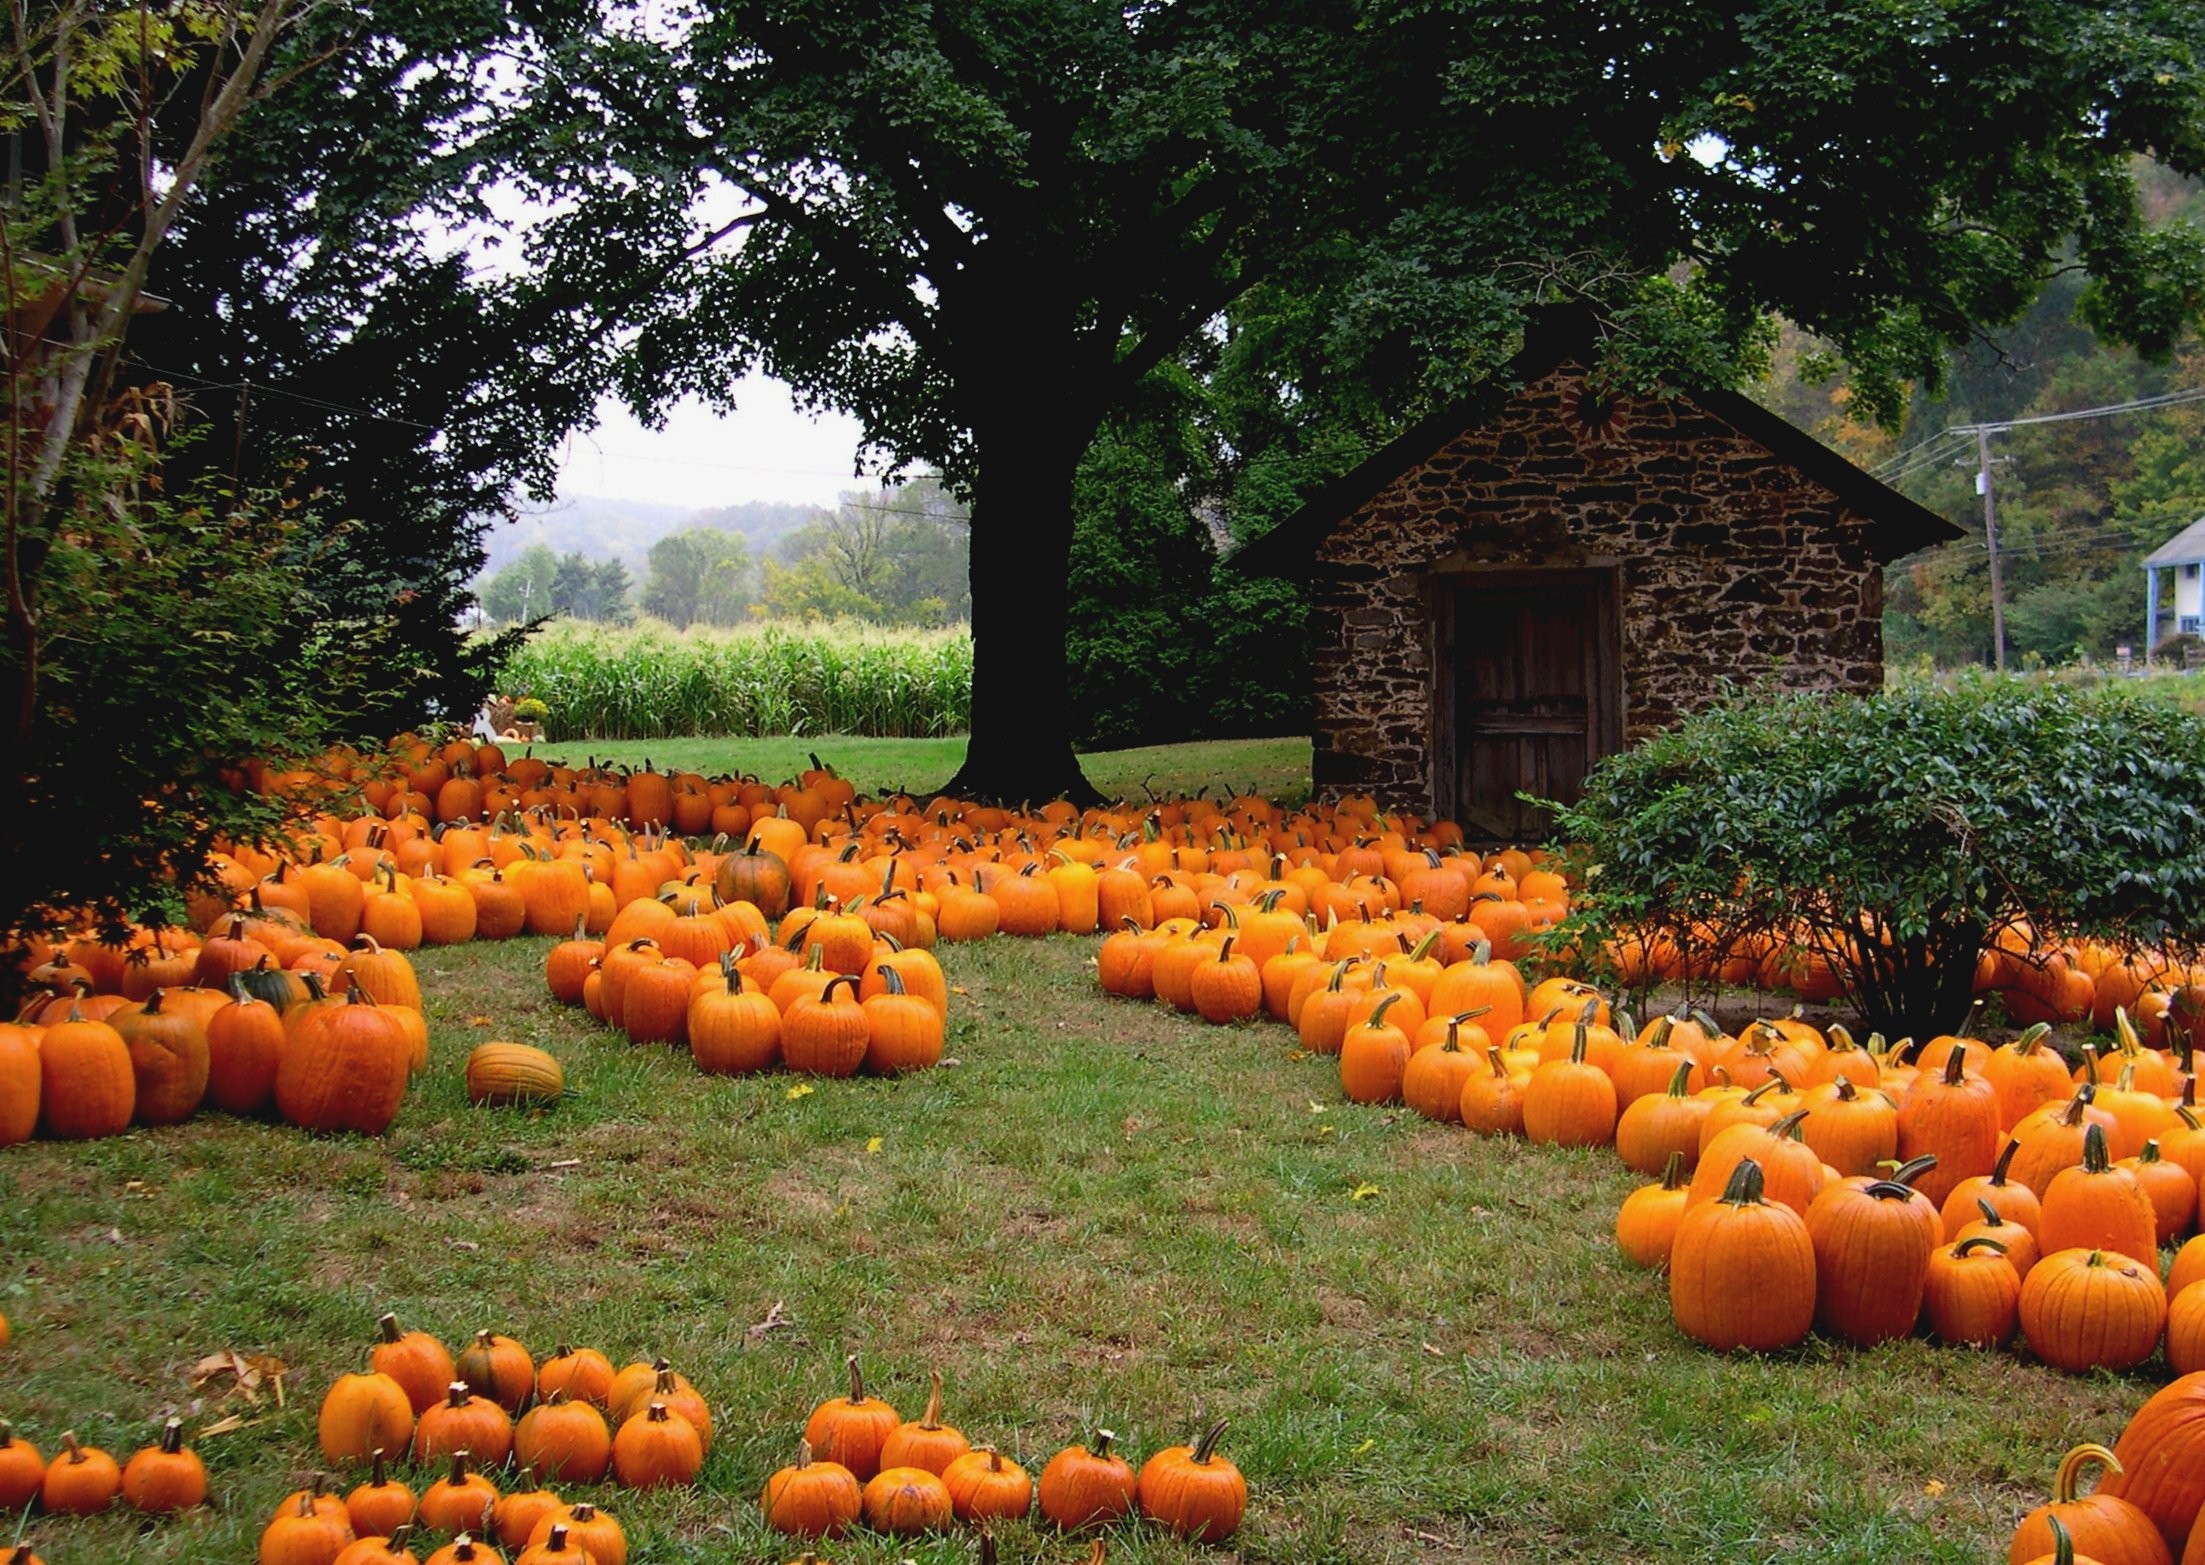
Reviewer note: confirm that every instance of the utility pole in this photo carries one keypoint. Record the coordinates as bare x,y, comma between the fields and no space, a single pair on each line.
1990,542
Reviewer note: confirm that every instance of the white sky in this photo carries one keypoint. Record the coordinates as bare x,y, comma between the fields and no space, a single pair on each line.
766,451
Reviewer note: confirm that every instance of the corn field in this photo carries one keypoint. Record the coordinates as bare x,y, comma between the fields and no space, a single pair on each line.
654,683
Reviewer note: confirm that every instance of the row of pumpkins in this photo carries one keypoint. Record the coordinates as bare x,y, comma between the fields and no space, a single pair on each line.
329,1046
859,1459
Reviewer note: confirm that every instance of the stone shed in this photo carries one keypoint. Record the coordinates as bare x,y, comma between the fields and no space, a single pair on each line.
1526,583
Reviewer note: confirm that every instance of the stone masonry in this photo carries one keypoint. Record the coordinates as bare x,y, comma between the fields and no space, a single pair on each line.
1732,564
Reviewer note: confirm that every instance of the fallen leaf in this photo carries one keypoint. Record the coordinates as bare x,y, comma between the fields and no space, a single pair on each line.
1363,1192
1316,1108
481,1021
465,1244
1129,1125
1324,1130
1365,1448
1933,1488
802,1089
873,1145
221,1426
776,1318
1435,1352
843,1210
958,989
1297,1054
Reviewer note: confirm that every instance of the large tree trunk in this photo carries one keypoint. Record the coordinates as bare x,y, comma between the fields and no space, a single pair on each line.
1030,441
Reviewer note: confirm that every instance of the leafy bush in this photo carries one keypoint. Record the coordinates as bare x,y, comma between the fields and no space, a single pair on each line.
1897,835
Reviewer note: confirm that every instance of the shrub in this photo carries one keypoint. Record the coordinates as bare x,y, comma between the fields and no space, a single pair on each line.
1899,834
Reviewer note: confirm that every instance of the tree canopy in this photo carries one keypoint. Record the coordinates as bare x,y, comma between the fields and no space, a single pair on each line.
979,225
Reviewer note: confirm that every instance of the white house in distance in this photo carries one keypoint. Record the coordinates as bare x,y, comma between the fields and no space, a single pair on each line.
2183,558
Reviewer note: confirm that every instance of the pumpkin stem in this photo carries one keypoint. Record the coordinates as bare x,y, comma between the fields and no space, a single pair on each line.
1200,1456
857,1381
1103,1438
172,1436
1746,1184
2064,1485
1672,1175
389,1323
932,1418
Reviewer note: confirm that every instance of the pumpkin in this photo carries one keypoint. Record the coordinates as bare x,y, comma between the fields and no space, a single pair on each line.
983,1484
463,1422
813,1499
1084,1485
165,1476
557,1548
564,1440
461,1501
1971,1295
465,1550
22,1469
2090,1309
498,1368
1872,1246
903,1032
1951,1115
590,1530
87,1086
19,1083
1646,1223
2104,1526
363,1414
521,1508
851,1430
903,1501
502,1074
926,1442
1192,1490
755,875
657,1449
418,1362
584,1374
826,1036
380,1506
344,1070
733,1029
2096,1205
304,1534
81,1480
1742,1270
244,1046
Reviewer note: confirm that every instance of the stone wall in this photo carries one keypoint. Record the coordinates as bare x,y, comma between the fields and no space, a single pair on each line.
1732,564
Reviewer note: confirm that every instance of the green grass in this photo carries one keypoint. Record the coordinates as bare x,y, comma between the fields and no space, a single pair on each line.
1278,768
1102,1214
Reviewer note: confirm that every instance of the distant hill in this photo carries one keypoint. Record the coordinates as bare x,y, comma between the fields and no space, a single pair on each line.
603,528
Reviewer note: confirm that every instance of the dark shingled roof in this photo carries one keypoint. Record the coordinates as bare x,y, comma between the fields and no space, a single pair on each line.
1554,338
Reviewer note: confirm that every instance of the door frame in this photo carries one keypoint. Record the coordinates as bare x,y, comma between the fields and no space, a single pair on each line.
1605,577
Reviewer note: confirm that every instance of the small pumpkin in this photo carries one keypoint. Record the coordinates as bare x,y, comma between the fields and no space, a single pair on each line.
927,1442
380,1506
1192,1490
81,1480
984,1484
657,1449
165,1476
851,1430
812,1498
22,1470
363,1414
1083,1485
905,1501
417,1361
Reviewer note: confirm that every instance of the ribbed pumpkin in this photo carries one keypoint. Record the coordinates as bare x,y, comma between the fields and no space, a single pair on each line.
244,1047
1085,1485
657,1448
1646,1223
563,1440
925,1442
984,1484
168,1056
1972,1295
345,1071
2162,1457
733,1029
1872,1247
463,1422
2104,1526
851,1430
1192,1490
1742,1270
2092,1309
497,1367
460,1501
502,1074
165,1476
826,1036
1951,1115
382,1504
1570,1102
812,1498
2099,1206
86,1085
417,1361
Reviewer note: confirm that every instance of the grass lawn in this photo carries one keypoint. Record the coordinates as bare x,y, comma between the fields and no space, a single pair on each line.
1102,1214
1278,768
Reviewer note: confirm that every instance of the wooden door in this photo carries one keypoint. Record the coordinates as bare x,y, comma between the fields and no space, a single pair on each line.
1536,697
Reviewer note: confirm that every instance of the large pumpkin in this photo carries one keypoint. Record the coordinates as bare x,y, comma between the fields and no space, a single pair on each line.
345,1071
